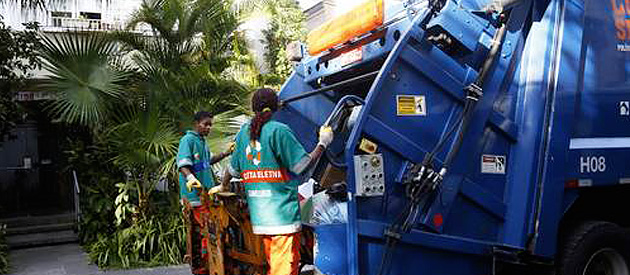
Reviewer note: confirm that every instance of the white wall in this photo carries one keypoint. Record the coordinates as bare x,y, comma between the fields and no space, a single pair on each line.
112,11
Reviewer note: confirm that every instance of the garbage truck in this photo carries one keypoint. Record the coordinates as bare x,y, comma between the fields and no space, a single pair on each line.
473,136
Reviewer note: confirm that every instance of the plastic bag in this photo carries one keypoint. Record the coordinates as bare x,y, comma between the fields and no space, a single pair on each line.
327,210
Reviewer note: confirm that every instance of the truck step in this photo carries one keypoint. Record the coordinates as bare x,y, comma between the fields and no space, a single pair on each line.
41,239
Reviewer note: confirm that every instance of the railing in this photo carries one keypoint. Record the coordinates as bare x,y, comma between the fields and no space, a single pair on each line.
68,23
76,196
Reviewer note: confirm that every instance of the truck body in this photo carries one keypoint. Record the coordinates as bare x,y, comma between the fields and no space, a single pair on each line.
524,110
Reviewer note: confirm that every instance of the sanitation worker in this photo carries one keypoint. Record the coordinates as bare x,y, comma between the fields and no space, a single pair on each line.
267,158
194,161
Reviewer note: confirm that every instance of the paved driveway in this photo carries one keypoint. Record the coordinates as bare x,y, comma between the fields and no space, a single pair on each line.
69,259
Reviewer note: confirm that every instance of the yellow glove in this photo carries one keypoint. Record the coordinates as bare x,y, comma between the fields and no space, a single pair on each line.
192,182
325,136
231,147
216,189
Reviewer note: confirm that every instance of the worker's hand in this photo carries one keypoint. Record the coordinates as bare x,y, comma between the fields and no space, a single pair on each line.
216,189
231,148
325,136
192,182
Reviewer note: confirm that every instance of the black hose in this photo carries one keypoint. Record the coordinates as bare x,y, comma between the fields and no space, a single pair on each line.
357,79
428,159
460,137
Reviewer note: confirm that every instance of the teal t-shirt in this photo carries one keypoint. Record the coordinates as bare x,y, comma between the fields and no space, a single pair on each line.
194,153
268,169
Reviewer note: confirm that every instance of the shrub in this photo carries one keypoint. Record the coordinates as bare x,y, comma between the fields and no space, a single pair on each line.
157,240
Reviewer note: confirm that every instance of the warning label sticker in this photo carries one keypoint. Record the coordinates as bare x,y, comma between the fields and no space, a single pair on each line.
491,164
411,105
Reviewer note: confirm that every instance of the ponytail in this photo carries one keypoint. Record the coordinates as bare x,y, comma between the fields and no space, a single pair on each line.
264,104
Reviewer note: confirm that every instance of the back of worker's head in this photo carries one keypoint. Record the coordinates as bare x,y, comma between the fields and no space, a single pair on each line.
264,104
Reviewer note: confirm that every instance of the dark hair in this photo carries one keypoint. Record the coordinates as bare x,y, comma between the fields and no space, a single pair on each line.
199,116
264,104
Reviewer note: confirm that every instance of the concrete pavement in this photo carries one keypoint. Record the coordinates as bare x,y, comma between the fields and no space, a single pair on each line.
70,259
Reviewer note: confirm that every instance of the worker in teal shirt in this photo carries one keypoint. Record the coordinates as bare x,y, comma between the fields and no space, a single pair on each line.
267,159
194,161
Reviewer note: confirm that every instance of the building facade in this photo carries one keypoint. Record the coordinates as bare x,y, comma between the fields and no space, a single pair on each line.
97,15
34,179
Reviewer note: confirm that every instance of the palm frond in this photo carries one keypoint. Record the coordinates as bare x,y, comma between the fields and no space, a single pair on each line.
83,75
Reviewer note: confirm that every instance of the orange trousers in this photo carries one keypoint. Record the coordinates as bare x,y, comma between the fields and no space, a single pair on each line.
283,253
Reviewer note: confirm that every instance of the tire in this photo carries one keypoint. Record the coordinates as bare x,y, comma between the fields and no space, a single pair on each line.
595,248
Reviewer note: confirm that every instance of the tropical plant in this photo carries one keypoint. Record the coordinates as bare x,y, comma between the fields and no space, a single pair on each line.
18,57
186,58
96,177
4,257
144,143
87,76
28,4
286,24
135,95
158,240
195,60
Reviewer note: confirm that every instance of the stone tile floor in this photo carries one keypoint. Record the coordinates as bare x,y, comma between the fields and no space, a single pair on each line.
70,259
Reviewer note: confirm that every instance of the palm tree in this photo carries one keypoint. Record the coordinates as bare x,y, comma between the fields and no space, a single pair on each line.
145,143
190,60
28,4
191,40
139,92
86,75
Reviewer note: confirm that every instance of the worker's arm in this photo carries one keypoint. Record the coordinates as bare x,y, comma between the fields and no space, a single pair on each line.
316,153
230,172
191,180
222,155
293,155
185,163
185,170
325,138
218,157
225,184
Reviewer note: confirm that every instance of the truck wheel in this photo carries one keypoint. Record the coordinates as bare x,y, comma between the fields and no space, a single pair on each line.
595,248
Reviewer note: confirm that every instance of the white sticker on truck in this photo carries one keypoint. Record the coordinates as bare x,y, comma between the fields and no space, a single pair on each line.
624,108
492,164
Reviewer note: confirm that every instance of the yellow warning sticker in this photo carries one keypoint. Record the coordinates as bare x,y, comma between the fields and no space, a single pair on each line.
411,105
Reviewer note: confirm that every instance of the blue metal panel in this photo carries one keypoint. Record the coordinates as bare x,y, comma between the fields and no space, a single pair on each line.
423,253
385,72
300,115
600,142
463,25
482,140
330,242
487,201
524,116
563,93
526,102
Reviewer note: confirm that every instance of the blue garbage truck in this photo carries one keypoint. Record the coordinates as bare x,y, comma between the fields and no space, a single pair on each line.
474,136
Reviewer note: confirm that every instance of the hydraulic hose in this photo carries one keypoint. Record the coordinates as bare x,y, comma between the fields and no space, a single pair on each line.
428,179
354,80
475,90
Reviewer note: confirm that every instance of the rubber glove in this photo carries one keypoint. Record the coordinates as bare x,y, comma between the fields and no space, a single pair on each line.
231,148
214,190
192,182
325,136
